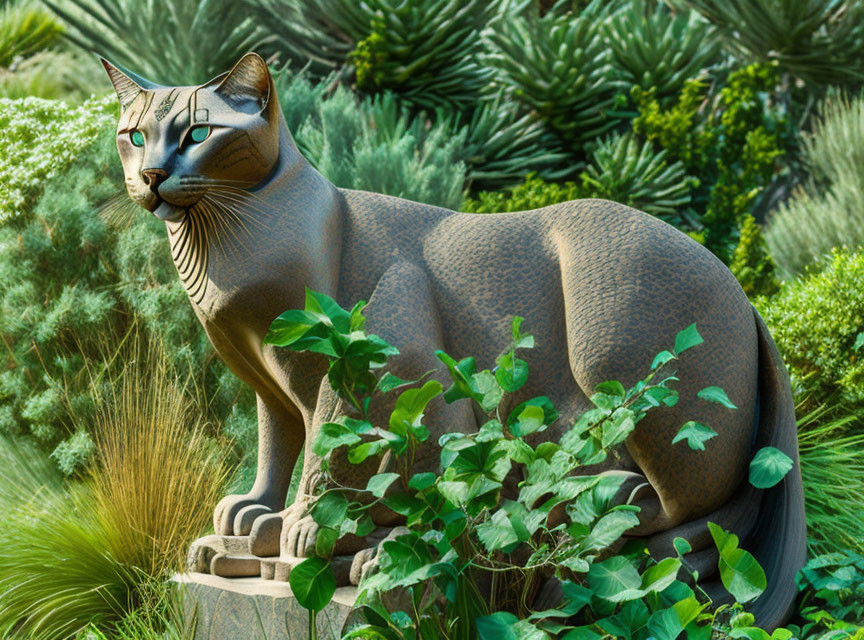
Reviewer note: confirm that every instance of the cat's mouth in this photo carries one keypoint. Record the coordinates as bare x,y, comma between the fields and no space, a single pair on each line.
168,212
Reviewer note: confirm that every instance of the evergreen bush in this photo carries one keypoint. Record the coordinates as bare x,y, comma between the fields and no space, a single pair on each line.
817,322
828,210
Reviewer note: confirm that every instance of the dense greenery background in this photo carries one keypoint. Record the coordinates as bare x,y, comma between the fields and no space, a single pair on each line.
740,122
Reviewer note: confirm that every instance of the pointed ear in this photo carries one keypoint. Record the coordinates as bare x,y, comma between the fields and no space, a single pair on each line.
248,80
127,84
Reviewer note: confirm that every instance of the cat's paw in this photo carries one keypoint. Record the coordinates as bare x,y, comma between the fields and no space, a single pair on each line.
235,514
298,539
266,533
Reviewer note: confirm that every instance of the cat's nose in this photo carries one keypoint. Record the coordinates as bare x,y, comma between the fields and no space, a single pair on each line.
154,177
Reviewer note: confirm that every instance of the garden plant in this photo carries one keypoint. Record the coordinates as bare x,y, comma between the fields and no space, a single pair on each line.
738,122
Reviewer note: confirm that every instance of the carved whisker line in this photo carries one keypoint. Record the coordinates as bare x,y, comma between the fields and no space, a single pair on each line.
189,249
228,215
119,211
240,203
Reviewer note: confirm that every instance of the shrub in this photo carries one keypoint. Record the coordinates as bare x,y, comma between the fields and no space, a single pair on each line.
751,263
205,37
75,554
469,562
632,173
818,324
622,170
534,193
504,141
40,138
821,42
54,75
424,50
653,47
375,144
560,66
733,143
25,28
71,285
827,212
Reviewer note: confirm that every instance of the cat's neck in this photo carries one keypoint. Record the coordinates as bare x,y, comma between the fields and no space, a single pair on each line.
291,222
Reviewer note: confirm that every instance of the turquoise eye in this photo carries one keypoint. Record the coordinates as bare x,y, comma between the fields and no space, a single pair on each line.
199,134
137,138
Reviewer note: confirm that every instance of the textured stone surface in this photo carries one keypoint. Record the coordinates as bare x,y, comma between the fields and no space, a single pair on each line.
255,609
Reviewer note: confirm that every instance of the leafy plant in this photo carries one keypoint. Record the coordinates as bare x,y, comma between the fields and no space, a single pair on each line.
827,212
632,173
89,553
25,29
39,138
425,50
654,47
732,143
503,141
72,287
622,169
752,263
836,584
817,40
351,142
560,66
534,193
462,532
816,322
205,37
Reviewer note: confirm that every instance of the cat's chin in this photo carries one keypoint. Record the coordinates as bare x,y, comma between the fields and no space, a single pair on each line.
169,212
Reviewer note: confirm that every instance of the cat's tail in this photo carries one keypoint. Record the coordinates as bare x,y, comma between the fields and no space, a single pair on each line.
779,537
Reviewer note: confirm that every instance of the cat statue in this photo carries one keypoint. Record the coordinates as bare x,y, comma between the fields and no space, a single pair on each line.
603,288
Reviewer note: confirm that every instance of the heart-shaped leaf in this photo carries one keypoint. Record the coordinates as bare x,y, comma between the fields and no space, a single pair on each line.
768,467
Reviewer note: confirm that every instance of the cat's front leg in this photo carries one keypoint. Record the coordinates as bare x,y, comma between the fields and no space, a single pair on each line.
280,439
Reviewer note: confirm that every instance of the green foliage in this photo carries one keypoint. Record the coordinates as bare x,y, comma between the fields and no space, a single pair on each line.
71,285
653,47
560,66
459,526
25,28
204,37
835,583
504,141
74,454
632,173
752,264
623,170
817,321
733,145
833,472
821,41
534,193
826,212
54,75
77,555
424,50
351,141
39,139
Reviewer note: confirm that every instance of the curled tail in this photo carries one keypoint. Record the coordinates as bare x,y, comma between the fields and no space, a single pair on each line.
779,536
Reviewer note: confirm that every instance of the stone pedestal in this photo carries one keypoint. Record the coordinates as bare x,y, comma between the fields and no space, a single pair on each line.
255,609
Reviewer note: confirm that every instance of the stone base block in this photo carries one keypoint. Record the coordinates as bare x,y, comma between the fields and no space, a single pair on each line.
255,609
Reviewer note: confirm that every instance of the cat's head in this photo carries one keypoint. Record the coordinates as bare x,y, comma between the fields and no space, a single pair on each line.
179,143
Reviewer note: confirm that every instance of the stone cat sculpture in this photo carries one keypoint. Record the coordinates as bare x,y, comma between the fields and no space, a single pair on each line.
602,287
